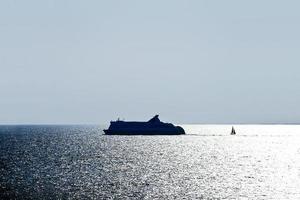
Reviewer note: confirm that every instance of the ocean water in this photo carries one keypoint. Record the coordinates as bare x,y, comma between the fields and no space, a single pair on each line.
79,162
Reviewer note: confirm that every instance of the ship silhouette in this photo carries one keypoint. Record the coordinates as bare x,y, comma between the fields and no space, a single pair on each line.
152,127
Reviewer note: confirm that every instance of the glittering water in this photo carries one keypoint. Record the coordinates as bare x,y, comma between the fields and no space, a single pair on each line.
78,162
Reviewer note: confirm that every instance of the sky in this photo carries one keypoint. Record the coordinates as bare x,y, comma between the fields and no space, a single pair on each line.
189,61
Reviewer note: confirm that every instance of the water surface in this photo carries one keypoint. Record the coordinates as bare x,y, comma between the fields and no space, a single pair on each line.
72,162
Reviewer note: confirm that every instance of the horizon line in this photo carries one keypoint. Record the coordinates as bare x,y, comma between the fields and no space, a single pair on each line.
99,124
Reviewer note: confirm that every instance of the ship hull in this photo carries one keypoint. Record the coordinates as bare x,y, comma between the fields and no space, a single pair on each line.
177,131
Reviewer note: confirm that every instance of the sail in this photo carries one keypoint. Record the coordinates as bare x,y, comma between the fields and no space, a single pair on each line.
233,131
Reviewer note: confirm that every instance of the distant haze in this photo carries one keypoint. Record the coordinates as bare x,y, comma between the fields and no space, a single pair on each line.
189,61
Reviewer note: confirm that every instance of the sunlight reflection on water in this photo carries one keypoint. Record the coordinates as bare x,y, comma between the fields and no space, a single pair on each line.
260,162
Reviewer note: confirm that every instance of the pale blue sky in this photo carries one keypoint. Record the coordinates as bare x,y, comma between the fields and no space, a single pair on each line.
189,61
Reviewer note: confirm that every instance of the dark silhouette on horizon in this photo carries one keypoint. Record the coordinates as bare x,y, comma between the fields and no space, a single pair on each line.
152,127
232,131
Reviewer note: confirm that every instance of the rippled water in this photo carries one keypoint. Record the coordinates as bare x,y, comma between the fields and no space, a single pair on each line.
78,162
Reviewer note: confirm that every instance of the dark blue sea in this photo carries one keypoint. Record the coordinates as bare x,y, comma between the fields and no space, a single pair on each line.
79,162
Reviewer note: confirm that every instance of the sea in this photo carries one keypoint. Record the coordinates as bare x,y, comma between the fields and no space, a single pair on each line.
80,162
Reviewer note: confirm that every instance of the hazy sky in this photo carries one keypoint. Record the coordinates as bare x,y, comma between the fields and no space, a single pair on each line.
189,61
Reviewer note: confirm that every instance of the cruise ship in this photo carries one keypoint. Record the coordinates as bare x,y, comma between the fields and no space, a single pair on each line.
152,127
